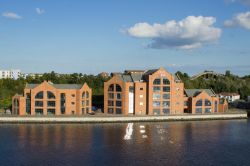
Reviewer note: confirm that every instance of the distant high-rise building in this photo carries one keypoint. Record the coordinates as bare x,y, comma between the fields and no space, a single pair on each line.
13,74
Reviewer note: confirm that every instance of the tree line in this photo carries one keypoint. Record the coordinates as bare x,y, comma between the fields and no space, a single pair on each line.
225,83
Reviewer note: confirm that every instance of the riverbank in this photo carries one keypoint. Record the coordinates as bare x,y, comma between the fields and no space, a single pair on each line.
114,119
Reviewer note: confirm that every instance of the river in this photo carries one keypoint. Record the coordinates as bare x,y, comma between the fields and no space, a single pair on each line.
218,142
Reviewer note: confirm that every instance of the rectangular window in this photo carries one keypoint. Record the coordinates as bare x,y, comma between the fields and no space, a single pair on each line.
198,110
118,96
156,88
39,111
51,103
141,96
87,103
73,95
166,96
73,103
141,88
118,111
141,103
83,110
110,110
39,103
83,103
166,89
207,110
51,111
156,103
110,103
156,111
111,95
118,103
166,111
166,104
156,96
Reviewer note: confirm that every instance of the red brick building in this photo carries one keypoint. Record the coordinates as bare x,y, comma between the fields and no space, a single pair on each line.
53,99
155,92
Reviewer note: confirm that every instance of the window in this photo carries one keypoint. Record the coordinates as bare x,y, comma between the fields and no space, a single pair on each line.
156,96
141,88
111,88
166,81
166,96
156,88
110,110
87,109
83,110
215,106
118,103
199,103
83,103
110,103
207,110
39,103
156,103
185,103
111,95
141,103
87,94
51,111
51,103
50,95
87,103
166,104
141,96
166,89
73,103
84,95
156,111
118,88
118,111
72,112
118,96
198,110
39,111
39,95
166,111
73,95
157,81
207,103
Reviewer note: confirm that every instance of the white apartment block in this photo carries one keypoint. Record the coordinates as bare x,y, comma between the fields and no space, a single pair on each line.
231,97
13,74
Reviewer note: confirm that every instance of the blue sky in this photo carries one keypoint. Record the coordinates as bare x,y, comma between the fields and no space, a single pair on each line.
94,36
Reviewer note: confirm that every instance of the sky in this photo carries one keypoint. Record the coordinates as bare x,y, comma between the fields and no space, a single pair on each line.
94,36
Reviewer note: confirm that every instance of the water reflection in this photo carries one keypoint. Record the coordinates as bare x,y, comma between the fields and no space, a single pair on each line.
172,143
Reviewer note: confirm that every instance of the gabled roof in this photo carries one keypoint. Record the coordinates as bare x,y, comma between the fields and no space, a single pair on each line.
196,92
57,86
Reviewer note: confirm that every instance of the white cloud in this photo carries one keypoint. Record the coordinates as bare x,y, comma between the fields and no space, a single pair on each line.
39,11
240,19
191,32
11,15
244,2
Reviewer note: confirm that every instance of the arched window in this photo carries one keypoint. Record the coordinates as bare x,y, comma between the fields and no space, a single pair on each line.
157,81
87,94
84,94
50,95
118,88
111,88
166,81
199,103
16,102
39,95
207,102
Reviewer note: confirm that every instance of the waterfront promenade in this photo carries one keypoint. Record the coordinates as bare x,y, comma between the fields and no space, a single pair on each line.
113,119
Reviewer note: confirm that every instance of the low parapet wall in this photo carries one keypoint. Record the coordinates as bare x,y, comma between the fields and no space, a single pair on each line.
105,119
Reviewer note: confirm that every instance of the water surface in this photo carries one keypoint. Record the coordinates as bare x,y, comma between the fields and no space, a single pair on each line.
224,142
